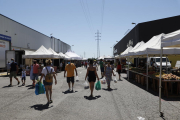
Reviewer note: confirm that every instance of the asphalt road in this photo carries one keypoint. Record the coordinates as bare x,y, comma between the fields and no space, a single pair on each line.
126,101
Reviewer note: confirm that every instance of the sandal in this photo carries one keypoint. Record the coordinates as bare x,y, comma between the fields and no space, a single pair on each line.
51,101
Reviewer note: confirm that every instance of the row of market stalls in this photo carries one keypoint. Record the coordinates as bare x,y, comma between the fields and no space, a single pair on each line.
42,53
159,45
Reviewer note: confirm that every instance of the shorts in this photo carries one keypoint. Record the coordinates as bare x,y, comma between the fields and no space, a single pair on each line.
13,73
91,79
23,78
119,71
47,83
35,76
102,69
70,79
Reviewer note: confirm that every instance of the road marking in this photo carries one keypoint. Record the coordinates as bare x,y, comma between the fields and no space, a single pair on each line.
140,118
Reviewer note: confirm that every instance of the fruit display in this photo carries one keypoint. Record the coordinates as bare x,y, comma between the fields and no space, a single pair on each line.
170,76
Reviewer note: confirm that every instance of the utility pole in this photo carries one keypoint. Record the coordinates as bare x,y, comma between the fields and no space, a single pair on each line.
98,50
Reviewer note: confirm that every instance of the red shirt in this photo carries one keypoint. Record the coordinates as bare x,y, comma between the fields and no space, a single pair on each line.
119,67
35,68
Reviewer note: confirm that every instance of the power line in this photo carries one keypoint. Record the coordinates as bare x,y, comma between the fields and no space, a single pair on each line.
102,14
85,14
89,15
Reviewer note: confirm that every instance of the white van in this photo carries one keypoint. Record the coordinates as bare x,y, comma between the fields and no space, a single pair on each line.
156,62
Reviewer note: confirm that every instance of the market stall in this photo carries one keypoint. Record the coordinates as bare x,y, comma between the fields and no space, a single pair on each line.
41,53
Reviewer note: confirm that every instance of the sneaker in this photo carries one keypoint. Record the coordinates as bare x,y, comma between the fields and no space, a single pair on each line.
9,85
69,89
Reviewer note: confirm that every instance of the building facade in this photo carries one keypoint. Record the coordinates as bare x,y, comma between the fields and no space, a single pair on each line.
25,38
145,31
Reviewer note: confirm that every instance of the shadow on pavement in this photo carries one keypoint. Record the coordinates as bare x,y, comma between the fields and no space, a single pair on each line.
31,88
8,86
67,92
109,89
41,107
92,98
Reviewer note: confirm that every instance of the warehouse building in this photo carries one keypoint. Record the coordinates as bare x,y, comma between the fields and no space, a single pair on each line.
145,31
16,36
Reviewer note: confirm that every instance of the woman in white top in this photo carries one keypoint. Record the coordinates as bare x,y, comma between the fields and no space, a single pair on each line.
48,85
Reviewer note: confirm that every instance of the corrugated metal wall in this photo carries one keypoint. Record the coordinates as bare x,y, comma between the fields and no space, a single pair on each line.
23,37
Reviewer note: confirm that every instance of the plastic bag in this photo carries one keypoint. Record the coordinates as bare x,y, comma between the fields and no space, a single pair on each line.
115,80
103,81
77,78
98,85
41,88
37,88
86,85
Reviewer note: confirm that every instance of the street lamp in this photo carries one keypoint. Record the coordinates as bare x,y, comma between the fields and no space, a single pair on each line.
72,46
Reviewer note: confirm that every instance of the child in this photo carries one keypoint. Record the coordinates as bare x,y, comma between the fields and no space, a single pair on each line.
23,74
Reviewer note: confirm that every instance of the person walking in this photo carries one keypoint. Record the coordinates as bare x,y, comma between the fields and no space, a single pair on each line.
108,73
35,72
23,76
119,68
61,66
92,74
13,72
70,67
101,63
31,73
47,74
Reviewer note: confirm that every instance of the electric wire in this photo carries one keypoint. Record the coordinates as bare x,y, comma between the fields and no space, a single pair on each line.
85,14
102,14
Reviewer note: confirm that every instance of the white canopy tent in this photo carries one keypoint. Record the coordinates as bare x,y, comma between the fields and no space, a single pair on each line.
54,53
138,45
102,57
41,53
171,39
125,53
73,56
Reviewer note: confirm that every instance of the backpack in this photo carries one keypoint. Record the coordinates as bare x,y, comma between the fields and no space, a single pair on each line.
49,76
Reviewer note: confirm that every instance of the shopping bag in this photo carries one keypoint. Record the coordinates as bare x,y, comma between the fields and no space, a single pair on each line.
77,78
41,88
86,85
115,80
103,81
37,88
98,85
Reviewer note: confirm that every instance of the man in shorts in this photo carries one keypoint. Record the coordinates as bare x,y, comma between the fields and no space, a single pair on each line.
101,63
35,72
70,67
13,72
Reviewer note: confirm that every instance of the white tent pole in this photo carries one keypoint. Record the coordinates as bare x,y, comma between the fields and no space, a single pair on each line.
147,73
128,68
166,66
160,81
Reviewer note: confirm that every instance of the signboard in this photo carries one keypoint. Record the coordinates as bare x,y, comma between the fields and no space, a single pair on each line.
4,37
4,45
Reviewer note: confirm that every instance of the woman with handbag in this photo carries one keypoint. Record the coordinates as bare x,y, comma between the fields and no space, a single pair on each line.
47,74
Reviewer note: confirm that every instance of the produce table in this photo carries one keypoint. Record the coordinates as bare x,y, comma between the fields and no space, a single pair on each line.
155,82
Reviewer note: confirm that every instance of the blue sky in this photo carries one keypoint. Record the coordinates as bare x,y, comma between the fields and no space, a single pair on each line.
76,21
